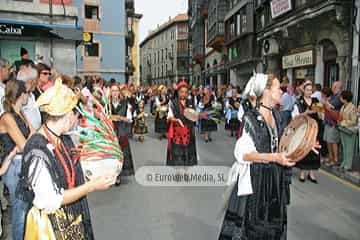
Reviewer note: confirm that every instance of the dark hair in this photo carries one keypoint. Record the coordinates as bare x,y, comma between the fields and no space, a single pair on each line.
68,81
327,91
41,67
308,84
77,80
347,95
13,90
318,87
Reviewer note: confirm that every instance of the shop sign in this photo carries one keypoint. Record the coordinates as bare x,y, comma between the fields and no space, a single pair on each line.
280,7
298,59
8,29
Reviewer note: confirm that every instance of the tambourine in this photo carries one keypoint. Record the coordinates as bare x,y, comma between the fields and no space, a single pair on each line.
193,115
101,167
299,137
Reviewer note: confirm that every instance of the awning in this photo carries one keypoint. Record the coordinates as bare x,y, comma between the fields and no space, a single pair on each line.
40,30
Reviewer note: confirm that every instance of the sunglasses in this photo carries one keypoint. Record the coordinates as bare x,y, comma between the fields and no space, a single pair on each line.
46,73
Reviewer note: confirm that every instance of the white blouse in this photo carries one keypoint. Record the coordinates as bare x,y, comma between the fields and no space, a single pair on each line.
45,196
240,170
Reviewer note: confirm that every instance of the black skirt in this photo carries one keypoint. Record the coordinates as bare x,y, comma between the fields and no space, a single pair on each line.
128,164
233,125
161,125
182,155
208,125
310,162
263,214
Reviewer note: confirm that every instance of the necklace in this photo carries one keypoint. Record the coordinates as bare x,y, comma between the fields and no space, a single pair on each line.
266,107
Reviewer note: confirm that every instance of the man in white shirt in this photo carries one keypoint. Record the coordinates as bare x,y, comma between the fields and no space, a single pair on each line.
29,75
317,93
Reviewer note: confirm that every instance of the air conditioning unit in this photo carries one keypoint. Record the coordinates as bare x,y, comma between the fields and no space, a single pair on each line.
270,47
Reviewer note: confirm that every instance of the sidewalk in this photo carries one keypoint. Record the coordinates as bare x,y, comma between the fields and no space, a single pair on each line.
353,177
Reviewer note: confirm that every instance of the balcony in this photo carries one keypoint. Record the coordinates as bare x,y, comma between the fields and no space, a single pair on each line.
217,36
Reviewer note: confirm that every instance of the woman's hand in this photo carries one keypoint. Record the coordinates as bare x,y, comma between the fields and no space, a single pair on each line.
284,160
178,121
316,147
102,183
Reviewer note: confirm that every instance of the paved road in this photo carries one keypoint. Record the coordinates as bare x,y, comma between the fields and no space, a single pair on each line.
329,210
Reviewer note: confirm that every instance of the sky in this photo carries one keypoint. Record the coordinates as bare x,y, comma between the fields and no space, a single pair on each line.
157,12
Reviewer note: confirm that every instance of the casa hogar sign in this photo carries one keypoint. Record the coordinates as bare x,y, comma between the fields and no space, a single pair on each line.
298,59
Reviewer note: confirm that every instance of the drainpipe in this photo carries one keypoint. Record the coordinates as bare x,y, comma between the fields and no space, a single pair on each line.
51,39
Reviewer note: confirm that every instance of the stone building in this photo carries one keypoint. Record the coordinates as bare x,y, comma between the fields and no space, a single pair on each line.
164,53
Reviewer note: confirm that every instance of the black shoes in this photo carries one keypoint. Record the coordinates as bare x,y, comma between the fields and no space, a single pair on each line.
313,180
301,179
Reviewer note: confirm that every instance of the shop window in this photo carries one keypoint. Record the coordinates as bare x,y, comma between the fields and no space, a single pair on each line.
92,50
91,12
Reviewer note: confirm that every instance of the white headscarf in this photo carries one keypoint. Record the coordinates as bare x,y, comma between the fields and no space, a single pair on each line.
256,85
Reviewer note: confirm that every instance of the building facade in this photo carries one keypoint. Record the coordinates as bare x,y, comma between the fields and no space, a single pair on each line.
197,12
106,22
215,52
135,50
48,29
164,53
307,39
241,41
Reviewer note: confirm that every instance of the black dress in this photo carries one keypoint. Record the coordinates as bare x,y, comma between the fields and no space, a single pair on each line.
161,125
122,130
181,144
208,125
234,123
263,214
37,152
312,160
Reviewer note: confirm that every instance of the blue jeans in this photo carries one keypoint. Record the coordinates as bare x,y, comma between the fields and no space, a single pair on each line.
18,207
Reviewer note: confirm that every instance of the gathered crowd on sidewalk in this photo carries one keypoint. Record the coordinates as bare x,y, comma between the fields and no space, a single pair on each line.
37,112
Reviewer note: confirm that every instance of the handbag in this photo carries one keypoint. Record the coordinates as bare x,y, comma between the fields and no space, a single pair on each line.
38,226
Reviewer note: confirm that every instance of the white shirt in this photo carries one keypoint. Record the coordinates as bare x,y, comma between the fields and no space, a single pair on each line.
240,170
32,113
45,196
317,95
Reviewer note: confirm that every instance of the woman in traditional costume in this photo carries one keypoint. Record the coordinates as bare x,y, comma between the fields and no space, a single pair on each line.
122,118
181,137
162,107
207,125
257,208
51,180
304,106
140,126
232,108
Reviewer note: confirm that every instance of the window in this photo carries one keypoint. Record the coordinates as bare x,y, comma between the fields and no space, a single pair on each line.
91,12
243,23
92,50
238,24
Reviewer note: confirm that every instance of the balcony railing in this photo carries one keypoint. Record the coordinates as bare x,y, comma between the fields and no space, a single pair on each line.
216,35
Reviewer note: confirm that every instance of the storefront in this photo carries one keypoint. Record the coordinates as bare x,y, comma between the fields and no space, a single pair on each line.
299,66
51,44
